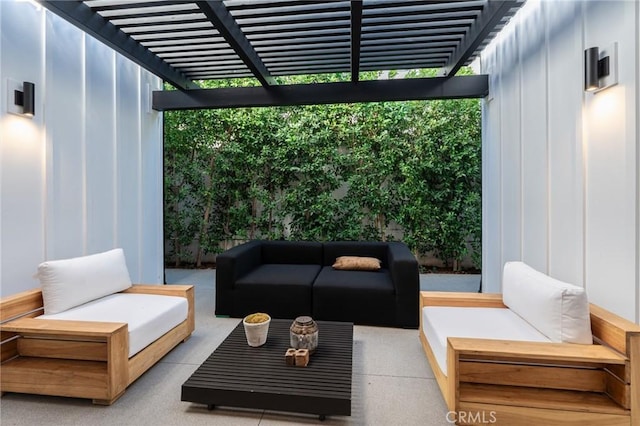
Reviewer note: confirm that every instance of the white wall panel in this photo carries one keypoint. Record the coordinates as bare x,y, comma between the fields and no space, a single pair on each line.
152,183
128,158
510,155
72,178
100,143
491,180
578,219
64,109
565,55
21,150
535,173
611,162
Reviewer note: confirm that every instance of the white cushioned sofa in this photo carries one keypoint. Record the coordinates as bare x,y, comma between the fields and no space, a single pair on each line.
538,353
88,332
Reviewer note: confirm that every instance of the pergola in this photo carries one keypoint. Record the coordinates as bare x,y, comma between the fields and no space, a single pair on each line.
561,165
186,41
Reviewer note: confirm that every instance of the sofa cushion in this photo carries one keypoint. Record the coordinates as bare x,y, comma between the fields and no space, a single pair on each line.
362,297
557,309
440,322
357,263
282,291
71,282
376,281
149,316
280,274
292,252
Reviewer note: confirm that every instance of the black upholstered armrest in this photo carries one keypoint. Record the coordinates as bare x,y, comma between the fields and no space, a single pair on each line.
236,262
403,268
231,265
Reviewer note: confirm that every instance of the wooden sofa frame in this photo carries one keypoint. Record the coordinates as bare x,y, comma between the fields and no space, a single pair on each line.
526,383
82,359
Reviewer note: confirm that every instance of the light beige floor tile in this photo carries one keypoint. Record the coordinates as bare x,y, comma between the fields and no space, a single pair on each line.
380,401
389,352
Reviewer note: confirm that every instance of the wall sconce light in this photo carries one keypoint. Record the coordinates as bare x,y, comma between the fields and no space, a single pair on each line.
594,69
21,98
600,68
26,98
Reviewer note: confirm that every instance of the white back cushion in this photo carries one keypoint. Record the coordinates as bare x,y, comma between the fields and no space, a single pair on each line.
72,282
557,309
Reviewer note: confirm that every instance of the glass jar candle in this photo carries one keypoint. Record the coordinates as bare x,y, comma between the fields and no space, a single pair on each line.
304,334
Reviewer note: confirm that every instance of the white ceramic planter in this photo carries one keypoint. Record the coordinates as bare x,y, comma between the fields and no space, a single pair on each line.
256,333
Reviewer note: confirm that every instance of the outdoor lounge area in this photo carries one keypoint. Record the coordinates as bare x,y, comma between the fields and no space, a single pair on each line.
84,87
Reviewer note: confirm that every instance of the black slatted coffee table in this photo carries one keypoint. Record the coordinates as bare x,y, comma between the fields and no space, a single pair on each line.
238,375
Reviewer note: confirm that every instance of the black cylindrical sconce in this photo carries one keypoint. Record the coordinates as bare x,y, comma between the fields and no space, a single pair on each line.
26,98
591,69
29,95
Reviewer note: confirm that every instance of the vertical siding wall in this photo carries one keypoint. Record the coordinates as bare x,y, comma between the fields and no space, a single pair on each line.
85,174
560,165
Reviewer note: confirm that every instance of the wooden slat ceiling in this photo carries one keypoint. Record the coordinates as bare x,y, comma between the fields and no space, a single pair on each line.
182,41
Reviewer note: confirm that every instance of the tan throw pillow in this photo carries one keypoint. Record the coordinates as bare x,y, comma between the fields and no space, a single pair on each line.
357,263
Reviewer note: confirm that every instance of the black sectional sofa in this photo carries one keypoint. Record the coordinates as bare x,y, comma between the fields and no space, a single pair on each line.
287,279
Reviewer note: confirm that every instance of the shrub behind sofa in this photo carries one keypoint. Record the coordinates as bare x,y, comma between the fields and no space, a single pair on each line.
291,278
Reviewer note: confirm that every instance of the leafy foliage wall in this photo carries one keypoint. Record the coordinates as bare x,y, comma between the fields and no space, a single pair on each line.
375,171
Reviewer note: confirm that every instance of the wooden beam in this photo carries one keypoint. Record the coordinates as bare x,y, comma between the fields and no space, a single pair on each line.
83,17
356,35
472,86
491,16
229,29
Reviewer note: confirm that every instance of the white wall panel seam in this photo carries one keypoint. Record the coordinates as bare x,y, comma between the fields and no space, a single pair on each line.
83,142
2,108
520,131
585,155
547,51
499,146
139,215
499,133
637,74
581,170
43,136
48,174
160,186
578,171
114,174
483,172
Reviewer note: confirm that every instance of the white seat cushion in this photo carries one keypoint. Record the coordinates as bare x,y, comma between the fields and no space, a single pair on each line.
440,322
557,309
71,282
149,316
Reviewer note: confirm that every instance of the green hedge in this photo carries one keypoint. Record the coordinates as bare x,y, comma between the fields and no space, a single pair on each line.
329,172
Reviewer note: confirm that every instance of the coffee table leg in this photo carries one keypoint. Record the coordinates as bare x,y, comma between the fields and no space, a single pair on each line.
211,407
322,417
